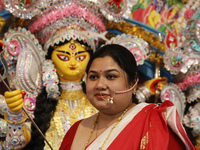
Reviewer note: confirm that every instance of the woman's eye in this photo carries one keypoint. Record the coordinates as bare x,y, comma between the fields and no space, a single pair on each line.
63,57
111,76
92,77
80,58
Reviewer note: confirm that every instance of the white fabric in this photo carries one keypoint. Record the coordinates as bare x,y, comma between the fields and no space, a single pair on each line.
171,117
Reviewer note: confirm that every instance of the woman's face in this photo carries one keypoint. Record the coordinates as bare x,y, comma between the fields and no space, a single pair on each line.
70,61
105,76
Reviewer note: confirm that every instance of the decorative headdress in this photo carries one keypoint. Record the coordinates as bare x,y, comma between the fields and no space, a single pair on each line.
62,15
137,46
53,22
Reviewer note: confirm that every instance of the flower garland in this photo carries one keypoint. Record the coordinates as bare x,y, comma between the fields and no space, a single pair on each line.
66,12
190,80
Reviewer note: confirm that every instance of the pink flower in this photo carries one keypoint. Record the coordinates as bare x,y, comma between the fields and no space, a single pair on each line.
92,19
40,24
66,12
73,9
189,13
31,28
181,86
84,15
80,12
51,17
58,14
45,20
100,25
198,77
191,80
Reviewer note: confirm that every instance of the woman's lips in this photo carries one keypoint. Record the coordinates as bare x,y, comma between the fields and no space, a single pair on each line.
101,96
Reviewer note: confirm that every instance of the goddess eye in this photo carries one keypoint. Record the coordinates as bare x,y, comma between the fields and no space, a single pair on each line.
63,57
80,58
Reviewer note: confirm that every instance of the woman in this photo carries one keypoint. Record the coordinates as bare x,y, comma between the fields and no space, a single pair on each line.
122,123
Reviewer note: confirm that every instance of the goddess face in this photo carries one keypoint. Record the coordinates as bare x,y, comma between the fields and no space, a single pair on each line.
70,60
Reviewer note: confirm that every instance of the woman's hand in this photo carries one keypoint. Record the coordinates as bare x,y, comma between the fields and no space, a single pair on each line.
14,100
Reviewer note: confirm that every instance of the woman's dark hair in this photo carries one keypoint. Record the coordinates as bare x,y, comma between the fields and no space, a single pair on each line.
122,56
45,108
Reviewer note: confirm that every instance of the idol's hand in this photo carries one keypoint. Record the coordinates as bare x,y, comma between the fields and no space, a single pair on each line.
14,100
156,82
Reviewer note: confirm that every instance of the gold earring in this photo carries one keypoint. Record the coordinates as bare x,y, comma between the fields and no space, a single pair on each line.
134,91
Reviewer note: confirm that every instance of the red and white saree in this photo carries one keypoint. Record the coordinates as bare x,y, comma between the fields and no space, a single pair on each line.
144,127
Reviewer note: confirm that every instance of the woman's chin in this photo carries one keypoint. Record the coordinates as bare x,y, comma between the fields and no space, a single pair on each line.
103,105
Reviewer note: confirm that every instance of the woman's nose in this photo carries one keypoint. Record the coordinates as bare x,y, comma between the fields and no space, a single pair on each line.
101,84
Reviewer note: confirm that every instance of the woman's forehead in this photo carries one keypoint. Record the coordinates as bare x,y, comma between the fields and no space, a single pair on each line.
106,63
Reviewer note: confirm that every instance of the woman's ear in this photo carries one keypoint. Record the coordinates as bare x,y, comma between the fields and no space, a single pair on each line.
134,86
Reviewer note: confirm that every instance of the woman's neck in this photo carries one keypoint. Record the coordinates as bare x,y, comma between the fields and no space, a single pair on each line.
110,119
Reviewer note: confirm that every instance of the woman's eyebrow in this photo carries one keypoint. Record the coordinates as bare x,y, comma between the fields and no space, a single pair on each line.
92,71
107,71
110,70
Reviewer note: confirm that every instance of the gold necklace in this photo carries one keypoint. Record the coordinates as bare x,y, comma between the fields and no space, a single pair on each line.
94,124
118,120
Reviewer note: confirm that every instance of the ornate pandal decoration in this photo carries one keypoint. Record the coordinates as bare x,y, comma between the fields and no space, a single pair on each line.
149,37
94,124
137,46
171,92
72,105
50,79
116,10
192,120
128,28
73,102
73,114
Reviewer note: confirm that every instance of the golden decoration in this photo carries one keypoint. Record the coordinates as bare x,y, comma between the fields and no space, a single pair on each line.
156,57
198,142
73,114
94,124
144,141
149,37
127,27
56,131
2,22
15,122
72,95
